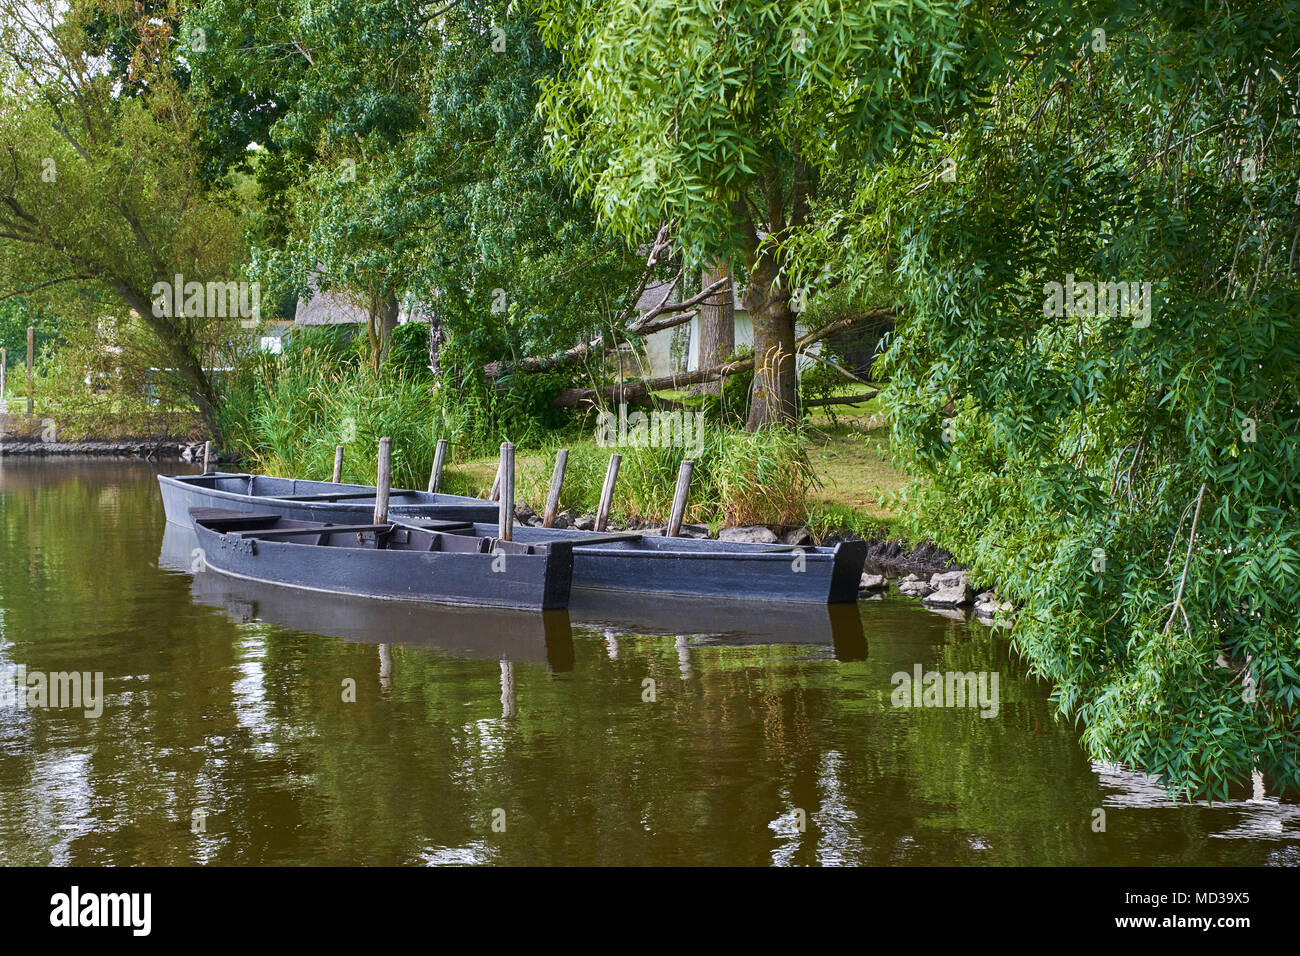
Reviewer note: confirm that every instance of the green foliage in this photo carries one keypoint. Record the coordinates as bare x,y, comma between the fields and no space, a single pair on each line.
1103,472
419,173
730,406
821,381
84,390
824,520
408,356
15,316
328,344
287,413
752,87
739,478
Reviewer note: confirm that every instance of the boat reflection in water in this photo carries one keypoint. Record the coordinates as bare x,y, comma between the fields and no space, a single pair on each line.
469,632
709,621
522,636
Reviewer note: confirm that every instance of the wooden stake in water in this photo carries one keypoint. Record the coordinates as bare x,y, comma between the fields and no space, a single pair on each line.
439,457
607,492
496,486
506,513
384,480
207,457
31,343
4,367
338,464
679,498
557,481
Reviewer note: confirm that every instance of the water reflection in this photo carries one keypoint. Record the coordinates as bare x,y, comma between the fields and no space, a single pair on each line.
1259,817
246,724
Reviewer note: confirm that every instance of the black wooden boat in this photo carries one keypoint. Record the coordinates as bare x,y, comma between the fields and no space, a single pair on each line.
308,500
473,633
387,561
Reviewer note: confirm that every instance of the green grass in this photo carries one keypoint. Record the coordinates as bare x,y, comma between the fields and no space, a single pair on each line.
849,460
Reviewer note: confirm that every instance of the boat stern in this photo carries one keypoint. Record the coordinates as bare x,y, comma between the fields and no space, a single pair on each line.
846,571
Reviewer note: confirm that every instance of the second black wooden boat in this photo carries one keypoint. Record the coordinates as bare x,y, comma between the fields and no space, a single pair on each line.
308,500
385,561
700,567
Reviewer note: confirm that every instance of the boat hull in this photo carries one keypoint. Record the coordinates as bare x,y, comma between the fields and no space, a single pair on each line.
715,569
533,581
180,493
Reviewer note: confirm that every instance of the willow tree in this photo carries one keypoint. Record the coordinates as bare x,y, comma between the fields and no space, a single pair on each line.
100,191
1125,466
718,118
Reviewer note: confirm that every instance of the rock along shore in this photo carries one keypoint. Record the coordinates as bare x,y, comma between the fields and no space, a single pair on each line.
925,571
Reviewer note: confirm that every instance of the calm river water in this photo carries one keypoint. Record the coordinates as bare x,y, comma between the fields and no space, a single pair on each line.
632,732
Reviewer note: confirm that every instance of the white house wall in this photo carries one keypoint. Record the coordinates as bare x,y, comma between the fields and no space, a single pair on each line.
658,347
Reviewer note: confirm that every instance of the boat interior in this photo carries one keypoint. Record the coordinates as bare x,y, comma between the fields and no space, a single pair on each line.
294,489
654,541
457,537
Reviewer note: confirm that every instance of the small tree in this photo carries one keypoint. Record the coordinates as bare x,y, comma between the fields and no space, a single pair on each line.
101,193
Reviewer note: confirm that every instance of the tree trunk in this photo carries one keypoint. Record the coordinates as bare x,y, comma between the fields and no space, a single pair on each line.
767,300
383,320
437,338
187,356
717,325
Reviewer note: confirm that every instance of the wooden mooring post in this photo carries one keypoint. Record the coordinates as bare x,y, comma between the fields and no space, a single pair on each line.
4,368
506,474
439,459
607,492
207,457
384,480
557,481
679,498
338,464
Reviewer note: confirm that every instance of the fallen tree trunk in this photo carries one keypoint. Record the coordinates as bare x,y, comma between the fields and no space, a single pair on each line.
639,392
839,400
648,324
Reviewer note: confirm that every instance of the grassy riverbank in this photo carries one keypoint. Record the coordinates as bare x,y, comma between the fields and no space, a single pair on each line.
848,457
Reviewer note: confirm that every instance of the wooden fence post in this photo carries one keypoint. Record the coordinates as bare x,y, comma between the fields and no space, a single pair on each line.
607,492
557,480
384,480
439,458
679,498
506,513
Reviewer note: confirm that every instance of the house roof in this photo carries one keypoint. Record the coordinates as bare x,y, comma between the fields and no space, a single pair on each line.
332,307
655,291
343,307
